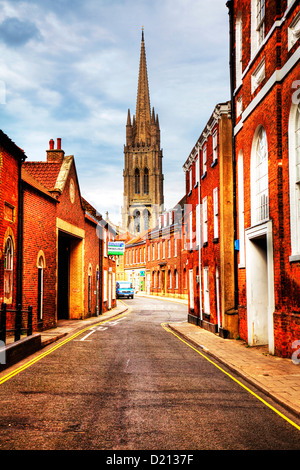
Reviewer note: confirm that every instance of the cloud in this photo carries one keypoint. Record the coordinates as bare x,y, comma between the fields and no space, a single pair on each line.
70,70
17,33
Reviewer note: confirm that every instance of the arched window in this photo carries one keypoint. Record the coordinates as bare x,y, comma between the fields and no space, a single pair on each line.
137,221
146,181
8,270
170,279
184,279
238,53
294,177
176,278
41,266
259,177
146,217
137,181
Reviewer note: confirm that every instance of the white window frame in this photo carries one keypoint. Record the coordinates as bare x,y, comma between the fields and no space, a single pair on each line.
216,212
197,175
105,285
259,177
239,49
190,179
204,217
241,209
204,159
215,145
206,304
294,177
198,225
191,230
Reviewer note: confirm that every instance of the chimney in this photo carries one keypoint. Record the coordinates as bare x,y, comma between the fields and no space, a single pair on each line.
55,155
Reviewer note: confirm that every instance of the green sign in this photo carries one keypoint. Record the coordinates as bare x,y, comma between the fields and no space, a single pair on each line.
115,248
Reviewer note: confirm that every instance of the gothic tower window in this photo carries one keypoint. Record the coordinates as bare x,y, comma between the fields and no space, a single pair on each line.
137,181
146,181
137,221
146,217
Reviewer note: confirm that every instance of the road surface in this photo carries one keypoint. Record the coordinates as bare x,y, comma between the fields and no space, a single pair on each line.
129,384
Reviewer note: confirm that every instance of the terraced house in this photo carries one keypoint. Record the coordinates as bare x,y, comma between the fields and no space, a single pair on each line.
265,74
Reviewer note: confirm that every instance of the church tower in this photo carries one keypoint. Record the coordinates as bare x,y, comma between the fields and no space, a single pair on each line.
143,177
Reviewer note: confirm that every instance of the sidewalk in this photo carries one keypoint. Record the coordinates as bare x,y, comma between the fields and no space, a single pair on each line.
278,378
66,327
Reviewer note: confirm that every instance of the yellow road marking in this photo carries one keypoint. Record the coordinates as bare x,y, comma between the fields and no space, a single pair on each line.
54,348
233,378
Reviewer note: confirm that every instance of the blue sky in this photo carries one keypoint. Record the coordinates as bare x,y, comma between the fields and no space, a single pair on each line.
69,69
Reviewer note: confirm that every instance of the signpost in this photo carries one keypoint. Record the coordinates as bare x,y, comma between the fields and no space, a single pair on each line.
116,248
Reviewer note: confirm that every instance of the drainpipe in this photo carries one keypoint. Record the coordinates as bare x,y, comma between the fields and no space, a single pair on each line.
200,243
19,294
100,235
230,6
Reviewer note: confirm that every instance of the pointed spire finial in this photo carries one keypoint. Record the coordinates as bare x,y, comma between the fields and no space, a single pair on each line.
142,33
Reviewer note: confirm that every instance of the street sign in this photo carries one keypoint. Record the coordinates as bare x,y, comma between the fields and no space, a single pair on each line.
116,248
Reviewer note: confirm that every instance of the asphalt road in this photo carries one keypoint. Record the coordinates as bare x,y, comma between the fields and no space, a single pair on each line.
131,385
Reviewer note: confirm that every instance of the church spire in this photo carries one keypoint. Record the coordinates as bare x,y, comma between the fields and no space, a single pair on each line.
143,113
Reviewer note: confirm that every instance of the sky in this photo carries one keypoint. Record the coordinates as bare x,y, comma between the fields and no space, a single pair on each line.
69,70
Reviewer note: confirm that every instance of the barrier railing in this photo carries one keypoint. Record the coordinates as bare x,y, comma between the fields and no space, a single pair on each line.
18,321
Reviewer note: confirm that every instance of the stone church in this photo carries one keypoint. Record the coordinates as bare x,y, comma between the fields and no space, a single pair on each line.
143,176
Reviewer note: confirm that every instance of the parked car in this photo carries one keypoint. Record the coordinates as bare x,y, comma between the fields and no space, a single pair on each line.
125,289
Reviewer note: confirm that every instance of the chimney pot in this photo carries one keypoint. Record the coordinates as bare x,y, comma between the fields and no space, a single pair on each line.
58,144
51,144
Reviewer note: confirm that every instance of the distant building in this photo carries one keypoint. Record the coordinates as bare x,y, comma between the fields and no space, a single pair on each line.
209,233
67,272
143,176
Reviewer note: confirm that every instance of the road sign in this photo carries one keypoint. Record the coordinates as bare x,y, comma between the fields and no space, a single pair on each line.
116,248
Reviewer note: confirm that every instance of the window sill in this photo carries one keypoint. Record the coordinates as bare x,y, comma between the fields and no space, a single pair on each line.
294,258
214,163
216,240
196,185
203,176
205,244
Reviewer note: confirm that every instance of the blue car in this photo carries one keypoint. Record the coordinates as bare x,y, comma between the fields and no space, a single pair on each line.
125,289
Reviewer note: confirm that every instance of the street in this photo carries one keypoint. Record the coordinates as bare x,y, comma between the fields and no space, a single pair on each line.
129,384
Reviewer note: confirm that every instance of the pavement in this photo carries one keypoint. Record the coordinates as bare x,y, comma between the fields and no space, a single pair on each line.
278,378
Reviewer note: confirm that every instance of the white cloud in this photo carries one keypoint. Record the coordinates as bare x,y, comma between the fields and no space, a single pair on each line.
78,76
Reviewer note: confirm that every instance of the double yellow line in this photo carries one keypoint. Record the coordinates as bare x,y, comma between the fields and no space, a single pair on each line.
54,348
233,378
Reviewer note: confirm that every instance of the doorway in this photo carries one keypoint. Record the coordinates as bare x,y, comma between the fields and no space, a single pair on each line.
260,286
70,280
63,280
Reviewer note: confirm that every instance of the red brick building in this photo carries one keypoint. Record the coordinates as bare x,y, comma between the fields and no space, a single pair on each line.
265,73
64,244
11,159
167,255
209,235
